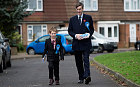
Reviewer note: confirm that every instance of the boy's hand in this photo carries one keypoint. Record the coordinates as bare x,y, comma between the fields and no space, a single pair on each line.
44,58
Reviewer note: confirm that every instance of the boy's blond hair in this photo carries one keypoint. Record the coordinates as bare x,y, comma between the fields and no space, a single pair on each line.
53,29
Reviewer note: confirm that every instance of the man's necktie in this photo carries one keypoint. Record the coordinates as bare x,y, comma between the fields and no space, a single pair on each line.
79,19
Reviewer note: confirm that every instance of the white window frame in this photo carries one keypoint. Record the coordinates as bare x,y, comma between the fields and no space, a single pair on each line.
37,9
91,3
32,30
20,31
111,24
133,5
43,29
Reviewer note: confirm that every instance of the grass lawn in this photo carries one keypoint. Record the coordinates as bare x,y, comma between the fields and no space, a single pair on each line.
126,63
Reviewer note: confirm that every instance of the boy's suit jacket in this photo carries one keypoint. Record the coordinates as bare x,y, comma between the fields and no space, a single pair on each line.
50,51
76,28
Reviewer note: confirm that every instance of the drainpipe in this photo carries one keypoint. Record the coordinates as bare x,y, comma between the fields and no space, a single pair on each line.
126,38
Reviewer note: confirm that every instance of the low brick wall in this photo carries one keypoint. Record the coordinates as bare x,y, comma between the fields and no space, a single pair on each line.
13,50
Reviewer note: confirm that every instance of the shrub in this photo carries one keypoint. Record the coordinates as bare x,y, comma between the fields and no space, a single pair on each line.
20,47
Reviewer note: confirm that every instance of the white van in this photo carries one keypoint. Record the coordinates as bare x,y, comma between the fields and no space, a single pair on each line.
101,43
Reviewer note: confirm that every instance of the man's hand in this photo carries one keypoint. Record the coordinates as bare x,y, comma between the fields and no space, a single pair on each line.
79,37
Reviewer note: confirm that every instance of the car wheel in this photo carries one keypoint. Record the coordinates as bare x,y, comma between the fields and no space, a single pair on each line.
31,51
1,67
138,46
91,51
100,49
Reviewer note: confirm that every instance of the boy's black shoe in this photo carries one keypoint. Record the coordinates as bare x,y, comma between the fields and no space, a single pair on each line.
51,82
87,80
57,82
81,81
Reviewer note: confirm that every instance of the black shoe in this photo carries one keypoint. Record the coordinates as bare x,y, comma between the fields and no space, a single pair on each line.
51,82
87,80
81,81
57,82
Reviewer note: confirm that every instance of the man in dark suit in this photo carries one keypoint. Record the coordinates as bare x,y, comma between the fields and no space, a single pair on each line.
81,45
53,48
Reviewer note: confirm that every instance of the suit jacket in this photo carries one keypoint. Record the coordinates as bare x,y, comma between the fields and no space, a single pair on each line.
76,28
50,51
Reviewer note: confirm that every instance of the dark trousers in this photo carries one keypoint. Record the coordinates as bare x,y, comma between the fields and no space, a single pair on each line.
82,63
53,69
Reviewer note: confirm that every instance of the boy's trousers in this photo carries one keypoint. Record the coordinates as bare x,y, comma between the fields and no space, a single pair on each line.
53,69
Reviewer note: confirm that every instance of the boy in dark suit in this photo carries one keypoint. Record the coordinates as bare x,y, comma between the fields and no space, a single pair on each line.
53,48
79,26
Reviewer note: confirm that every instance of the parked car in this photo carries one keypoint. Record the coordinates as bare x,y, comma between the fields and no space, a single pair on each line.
137,45
1,60
6,52
101,43
38,46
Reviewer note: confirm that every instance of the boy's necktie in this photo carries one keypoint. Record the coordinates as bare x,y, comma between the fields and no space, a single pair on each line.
53,42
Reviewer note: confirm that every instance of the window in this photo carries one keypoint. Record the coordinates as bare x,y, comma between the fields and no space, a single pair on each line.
101,30
131,5
110,29
35,5
115,31
109,32
37,30
90,5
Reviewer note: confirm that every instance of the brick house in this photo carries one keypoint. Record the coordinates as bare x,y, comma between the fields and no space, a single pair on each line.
115,19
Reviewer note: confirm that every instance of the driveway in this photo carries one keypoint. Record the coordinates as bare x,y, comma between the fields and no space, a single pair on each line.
33,72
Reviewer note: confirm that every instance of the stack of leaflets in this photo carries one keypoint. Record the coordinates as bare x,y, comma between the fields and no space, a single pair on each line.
86,35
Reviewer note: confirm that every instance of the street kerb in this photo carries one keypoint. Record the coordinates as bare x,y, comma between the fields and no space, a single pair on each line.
116,76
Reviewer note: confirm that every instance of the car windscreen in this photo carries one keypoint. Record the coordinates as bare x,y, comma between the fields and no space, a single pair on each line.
43,39
99,35
69,39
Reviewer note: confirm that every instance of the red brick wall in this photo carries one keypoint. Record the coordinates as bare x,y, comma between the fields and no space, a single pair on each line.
24,33
53,10
138,31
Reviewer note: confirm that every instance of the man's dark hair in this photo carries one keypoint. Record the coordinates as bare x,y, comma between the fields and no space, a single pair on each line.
79,4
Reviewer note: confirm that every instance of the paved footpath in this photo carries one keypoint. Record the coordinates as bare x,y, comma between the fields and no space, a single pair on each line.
33,72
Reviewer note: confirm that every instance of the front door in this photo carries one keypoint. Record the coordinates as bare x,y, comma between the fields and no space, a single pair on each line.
132,30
